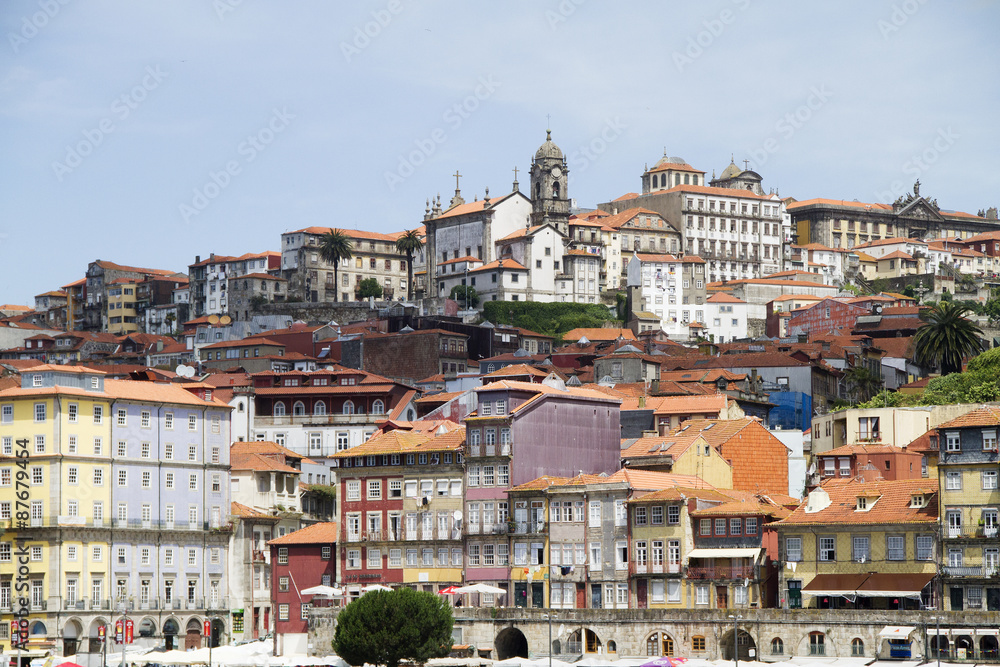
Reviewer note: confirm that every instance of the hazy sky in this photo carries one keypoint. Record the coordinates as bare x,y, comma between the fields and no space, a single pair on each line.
146,133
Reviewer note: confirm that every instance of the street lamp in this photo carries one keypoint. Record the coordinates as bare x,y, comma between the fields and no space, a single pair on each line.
937,638
736,632
549,617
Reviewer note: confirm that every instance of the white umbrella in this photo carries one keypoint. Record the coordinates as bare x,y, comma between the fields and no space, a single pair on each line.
480,588
328,591
375,587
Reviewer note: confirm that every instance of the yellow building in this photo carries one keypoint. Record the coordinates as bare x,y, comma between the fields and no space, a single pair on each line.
122,313
863,545
55,432
679,453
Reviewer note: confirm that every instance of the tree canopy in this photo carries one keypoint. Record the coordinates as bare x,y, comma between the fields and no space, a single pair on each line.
334,246
369,287
408,243
386,627
946,337
466,295
547,318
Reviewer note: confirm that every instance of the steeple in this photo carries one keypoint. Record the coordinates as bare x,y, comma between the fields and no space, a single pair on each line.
549,181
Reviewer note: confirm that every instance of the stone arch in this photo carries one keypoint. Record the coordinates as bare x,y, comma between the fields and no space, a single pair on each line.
218,632
939,647
192,634
171,628
72,631
94,639
585,641
965,642
511,643
744,644
298,409
147,627
38,628
988,648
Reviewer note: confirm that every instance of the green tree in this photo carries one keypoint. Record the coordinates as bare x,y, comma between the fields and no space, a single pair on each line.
386,627
466,294
862,383
369,287
334,246
409,243
946,337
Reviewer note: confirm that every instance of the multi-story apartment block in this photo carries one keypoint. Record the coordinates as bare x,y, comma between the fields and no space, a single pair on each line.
210,279
644,231
740,232
311,278
588,233
266,504
247,293
128,504
401,511
322,412
672,288
302,560
969,498
862,545
101,276
520,431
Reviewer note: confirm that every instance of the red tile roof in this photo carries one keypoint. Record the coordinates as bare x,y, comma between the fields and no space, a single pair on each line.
988,415
317,533
893,504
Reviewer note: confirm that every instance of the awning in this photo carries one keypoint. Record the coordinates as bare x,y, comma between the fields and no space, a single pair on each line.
835,584
896,631
875,585
724,553
880,585
990,632
955,632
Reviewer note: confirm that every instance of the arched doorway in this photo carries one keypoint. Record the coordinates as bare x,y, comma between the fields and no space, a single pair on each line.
192,636
218,630
511,643
744,643
988,648
96,642
71,637
591,642
660,643
939,647
964,647
170,631
147,627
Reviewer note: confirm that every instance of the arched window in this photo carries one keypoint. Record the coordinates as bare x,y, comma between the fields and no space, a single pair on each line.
857,647
660,643
777,646
817,643
612,646
348,407
279,409
38,628
299,408
378,407
538,190
490,368
239,407
319,408
555,190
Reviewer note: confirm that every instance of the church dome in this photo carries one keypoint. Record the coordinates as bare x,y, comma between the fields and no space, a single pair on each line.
664,161
548,149
732,171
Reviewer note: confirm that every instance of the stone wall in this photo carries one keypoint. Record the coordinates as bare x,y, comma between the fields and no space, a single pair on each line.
627,630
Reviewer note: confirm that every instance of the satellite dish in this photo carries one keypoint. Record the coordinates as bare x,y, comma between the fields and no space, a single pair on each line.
213,319
180,370
225,319
458,515
185,371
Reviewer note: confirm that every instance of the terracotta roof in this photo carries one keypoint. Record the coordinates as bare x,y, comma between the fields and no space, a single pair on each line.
720,192
395,442
133,269
516,369
458,260
262,447
351,233
244,342
317,533
598,334
722,297
838,202
988,415
891,241
244,512
522,232
896,254
508,265
259,462
621,218
891,507
674,166
668,445
846,450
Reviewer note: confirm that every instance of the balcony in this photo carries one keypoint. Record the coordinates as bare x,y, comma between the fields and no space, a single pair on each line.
218,603
721,572
308,420
988,570
969,532
260,556
525,527
104,604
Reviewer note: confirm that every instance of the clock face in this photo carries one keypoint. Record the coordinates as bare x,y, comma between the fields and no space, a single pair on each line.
556,172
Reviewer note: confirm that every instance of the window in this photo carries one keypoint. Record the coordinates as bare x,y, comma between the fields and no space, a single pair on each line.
720,526
989,441
953,480
817,644
122,419
861,551
827,549
98,414
953,443
168,421
353,490
793,549
777,646
750,526
283,612
701,594
374,489
857,647
989,479
122,478
640,516
71,412
895,547
673,514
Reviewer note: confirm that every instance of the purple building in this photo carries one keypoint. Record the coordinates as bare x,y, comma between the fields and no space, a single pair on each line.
170,508
519,432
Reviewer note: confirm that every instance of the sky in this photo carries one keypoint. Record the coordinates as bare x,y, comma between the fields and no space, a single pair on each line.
146,133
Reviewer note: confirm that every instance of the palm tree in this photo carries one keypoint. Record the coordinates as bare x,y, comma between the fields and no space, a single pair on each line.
334,246
862,383
946,337
409,243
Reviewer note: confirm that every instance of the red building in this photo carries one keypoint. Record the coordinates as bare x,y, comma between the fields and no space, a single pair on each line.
299,561
825,316
870,461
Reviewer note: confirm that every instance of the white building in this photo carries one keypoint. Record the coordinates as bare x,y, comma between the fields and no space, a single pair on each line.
726,318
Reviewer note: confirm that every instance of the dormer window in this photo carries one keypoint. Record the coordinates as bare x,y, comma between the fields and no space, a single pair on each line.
36,380
917,501
862,504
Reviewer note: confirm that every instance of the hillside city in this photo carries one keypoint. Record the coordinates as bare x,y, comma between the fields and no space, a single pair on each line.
700,396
